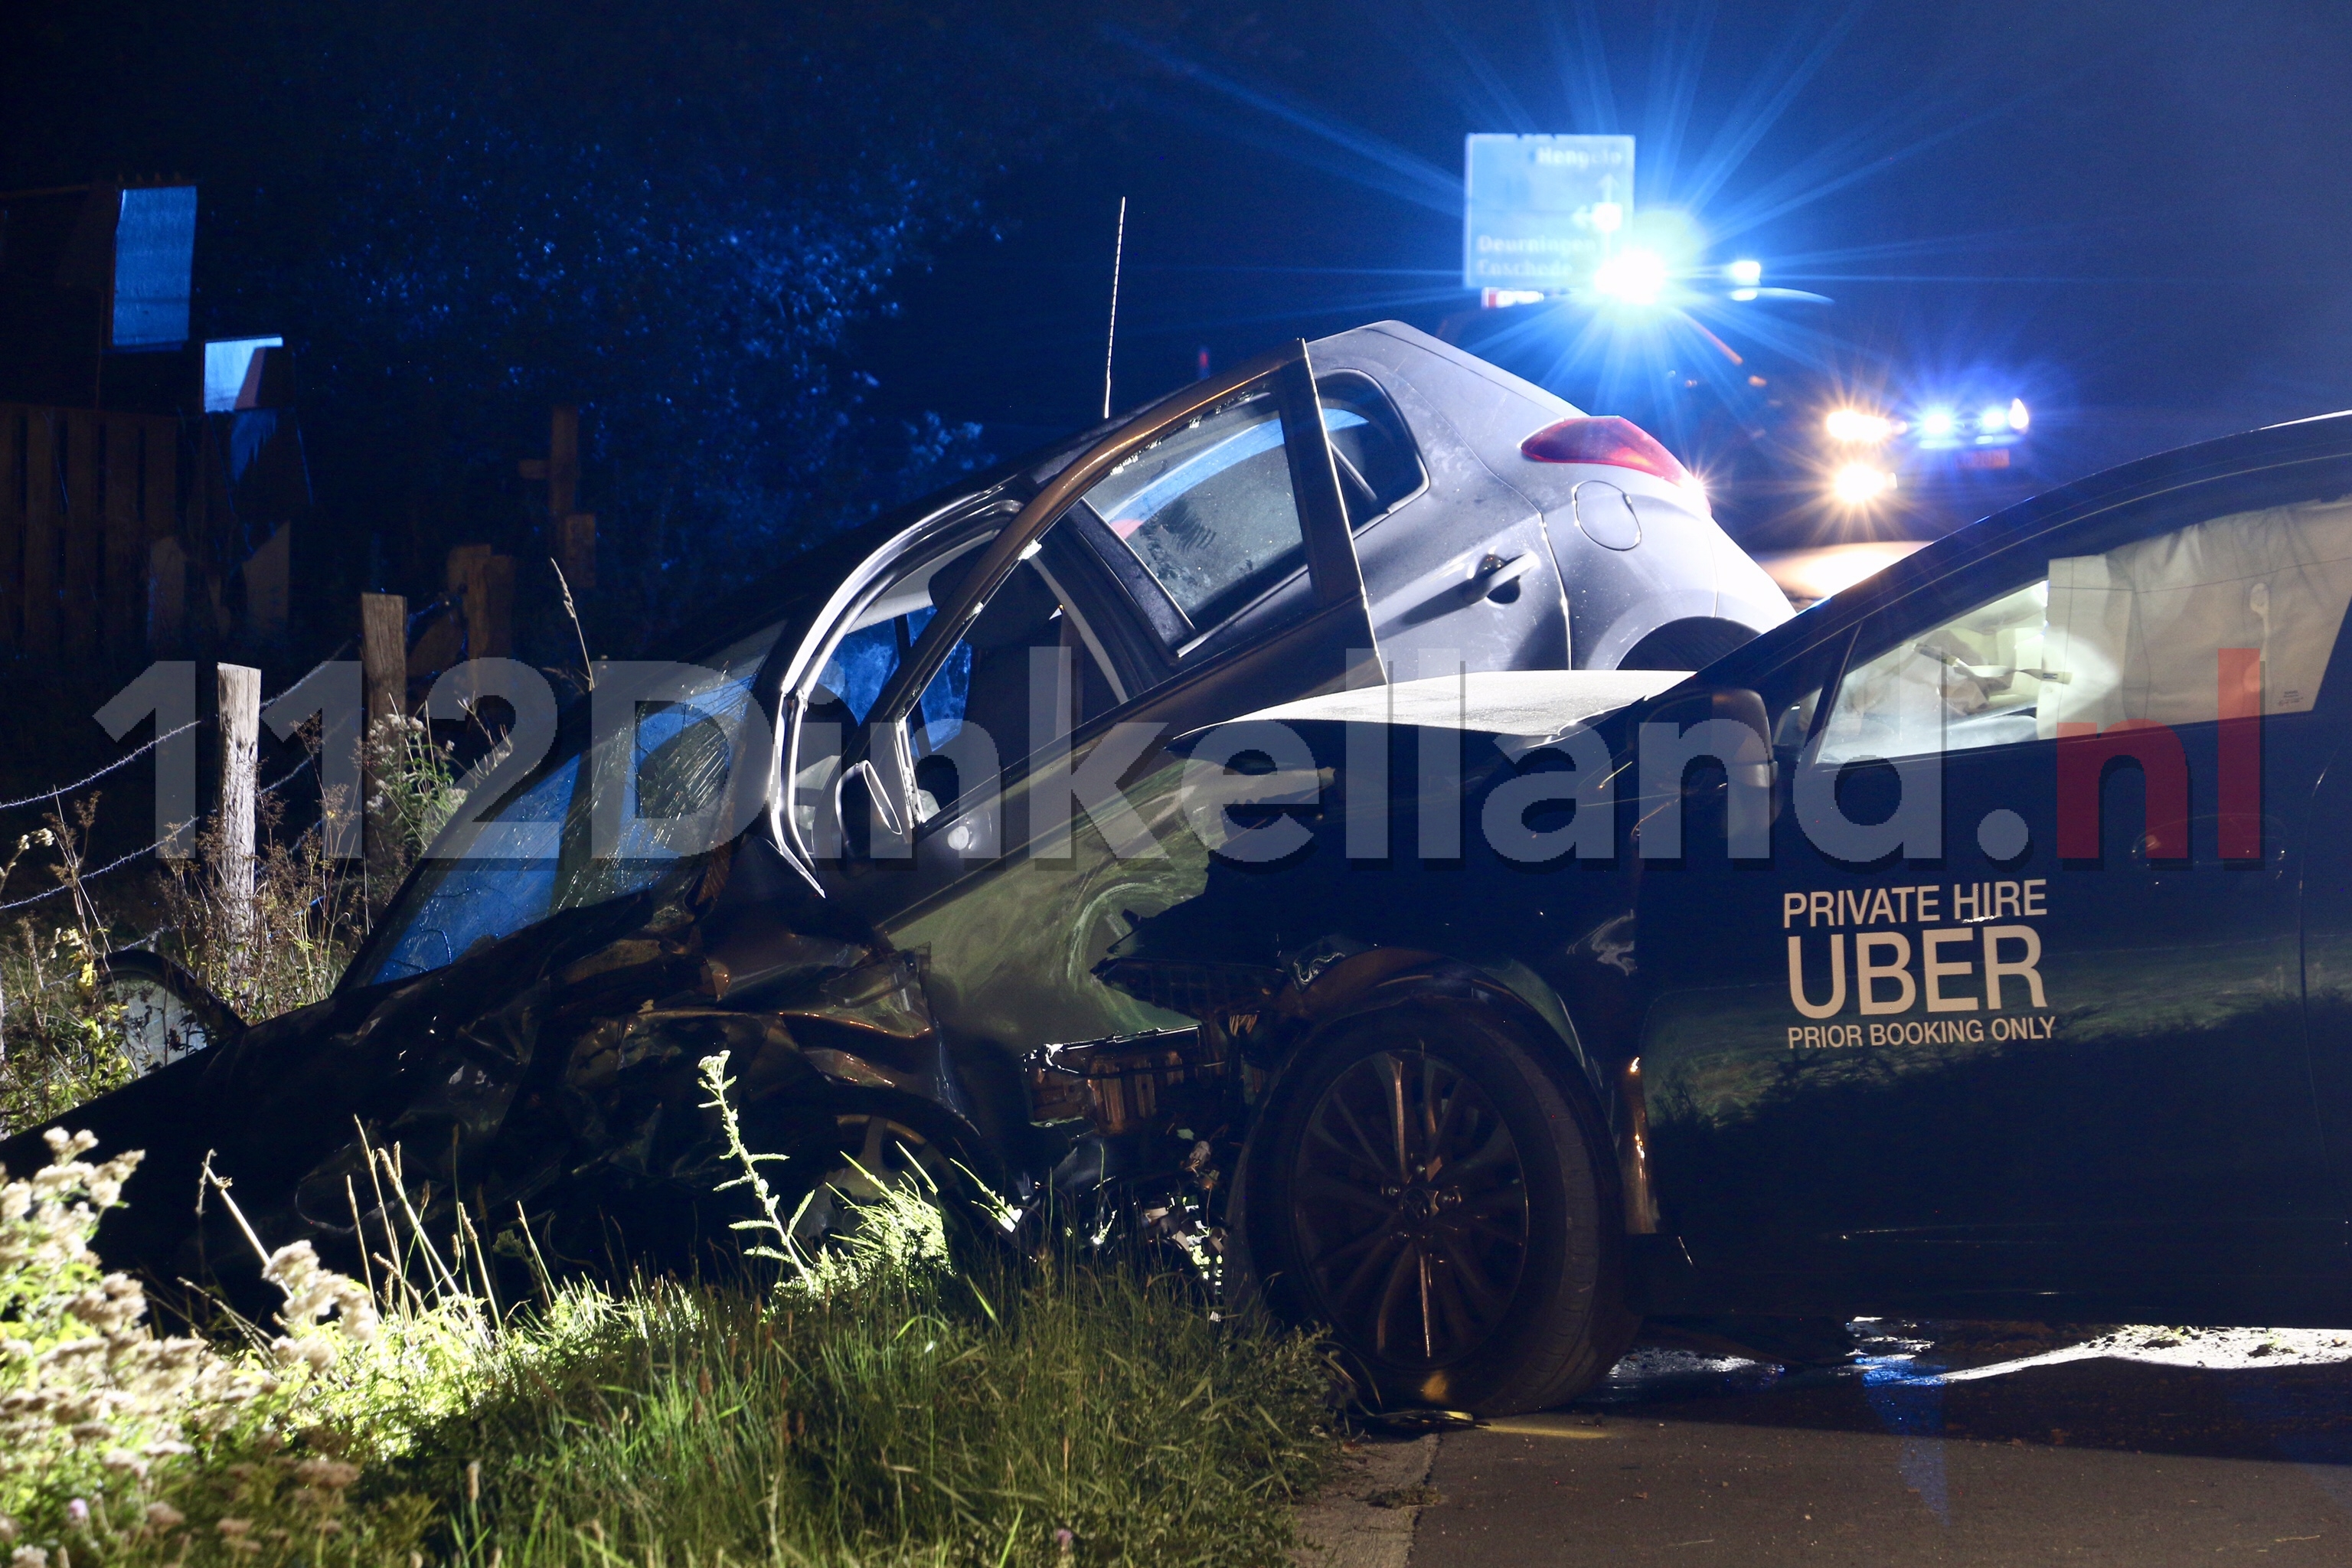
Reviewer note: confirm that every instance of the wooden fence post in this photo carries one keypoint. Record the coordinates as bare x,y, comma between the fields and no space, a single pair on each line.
575,548
268,586
463,570
167,597
41,531
11,529
159,506
122,553
166,552
383,653
490,607
239,690
83,525
383,670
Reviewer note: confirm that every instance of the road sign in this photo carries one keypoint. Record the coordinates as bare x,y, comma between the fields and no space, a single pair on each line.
1543,211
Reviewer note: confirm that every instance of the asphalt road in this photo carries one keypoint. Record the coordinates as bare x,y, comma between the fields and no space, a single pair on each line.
1942,1453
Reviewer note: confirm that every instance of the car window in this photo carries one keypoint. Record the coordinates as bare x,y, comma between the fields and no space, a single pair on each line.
1208,508
2133,632
1973,680
984,682
673,761
1209,511
451,906
1377,463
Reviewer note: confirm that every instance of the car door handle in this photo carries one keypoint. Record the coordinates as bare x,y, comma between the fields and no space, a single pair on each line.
869,778
1495,572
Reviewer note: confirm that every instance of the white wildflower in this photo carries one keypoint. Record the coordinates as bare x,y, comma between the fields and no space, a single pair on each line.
312,1291
333,1475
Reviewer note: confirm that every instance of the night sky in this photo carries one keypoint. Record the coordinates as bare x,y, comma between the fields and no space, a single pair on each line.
2138,210
797,264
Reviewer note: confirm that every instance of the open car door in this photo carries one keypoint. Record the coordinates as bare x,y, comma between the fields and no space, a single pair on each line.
991,830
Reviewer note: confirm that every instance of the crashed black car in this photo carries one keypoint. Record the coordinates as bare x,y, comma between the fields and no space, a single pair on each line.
1976,944
760,851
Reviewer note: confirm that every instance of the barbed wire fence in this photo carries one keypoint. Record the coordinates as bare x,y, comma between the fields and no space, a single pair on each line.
55,796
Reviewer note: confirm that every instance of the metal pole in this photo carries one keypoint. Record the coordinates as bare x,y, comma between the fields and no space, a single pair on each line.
1111,343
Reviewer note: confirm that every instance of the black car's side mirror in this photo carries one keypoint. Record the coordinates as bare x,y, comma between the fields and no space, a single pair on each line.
1728,725
1686,705
165,1012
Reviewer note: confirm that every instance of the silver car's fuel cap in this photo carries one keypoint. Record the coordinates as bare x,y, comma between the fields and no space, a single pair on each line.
1606,516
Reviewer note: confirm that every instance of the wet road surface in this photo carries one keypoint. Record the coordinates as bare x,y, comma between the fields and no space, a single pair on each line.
1970,1448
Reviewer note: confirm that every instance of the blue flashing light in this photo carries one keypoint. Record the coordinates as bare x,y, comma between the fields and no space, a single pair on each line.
1637,277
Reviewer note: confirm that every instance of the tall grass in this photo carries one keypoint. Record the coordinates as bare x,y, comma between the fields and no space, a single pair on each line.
61,1039
1014,1412
284,943
906,1402
281,946
416,791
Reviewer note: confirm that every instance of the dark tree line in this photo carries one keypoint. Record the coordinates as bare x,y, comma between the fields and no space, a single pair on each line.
459,214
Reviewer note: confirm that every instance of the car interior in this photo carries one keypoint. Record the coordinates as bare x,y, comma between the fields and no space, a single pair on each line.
1195,527
2132,632
984,684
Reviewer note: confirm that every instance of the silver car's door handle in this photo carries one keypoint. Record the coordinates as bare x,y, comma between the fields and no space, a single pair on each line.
1492,573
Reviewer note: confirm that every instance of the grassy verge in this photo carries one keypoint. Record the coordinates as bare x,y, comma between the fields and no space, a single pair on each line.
1038,1415
893,1404
907,1411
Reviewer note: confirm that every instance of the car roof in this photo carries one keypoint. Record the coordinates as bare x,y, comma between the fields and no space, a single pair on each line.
817,566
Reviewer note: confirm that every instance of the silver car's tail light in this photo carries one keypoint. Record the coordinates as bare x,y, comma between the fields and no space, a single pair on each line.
1604,439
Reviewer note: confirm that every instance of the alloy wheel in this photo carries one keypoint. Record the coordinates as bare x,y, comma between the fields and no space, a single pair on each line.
1411,1208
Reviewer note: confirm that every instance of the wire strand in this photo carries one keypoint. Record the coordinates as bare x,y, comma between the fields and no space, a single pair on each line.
117,864
89,876
51,794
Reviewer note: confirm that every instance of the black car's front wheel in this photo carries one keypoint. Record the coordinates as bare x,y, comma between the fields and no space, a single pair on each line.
1422,1187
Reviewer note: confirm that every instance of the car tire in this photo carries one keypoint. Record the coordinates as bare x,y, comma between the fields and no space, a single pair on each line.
1476,1261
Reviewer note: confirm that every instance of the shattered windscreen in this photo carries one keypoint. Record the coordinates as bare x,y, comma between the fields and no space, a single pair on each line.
653,788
